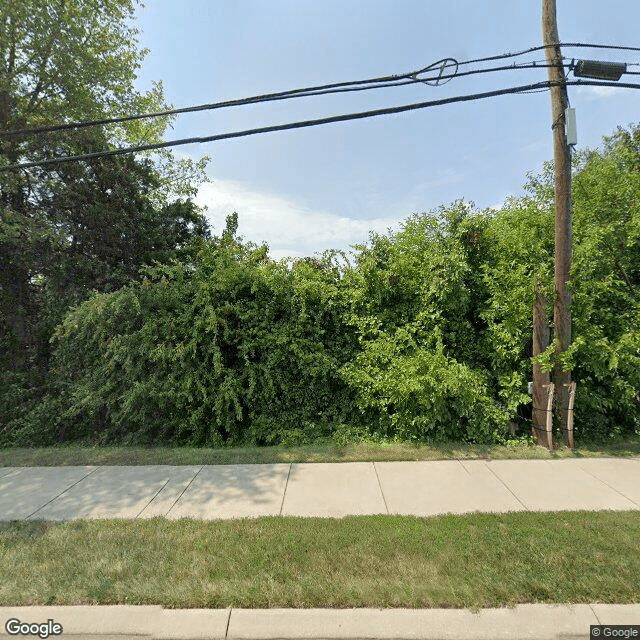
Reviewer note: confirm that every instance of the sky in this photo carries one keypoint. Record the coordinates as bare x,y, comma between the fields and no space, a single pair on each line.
326,187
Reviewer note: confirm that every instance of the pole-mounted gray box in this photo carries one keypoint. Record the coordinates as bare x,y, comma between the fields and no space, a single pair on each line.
570,126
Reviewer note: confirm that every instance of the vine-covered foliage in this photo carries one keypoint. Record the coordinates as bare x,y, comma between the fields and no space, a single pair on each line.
605,354
605,283
425,335
422,370
226,348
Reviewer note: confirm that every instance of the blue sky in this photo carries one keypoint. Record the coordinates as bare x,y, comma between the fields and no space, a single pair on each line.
325,187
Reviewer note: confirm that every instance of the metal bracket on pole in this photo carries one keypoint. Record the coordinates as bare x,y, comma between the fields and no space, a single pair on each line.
550,391
572,395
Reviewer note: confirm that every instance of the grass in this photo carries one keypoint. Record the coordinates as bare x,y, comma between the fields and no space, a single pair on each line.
473,561
78,454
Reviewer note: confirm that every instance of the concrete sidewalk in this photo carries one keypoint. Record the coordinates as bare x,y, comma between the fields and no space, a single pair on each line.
319,489
533,622
326,490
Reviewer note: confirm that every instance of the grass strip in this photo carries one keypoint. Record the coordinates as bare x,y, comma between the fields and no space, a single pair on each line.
78,454
473,560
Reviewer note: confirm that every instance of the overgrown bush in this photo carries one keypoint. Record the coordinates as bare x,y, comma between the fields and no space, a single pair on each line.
227,348
605,285
421,372
426,336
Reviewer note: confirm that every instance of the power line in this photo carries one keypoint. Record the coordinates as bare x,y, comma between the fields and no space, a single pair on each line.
545,46
374,83
286,95
336,87
339,87
310,123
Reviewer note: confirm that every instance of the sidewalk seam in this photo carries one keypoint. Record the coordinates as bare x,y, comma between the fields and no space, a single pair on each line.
508,488
61,493
465,468
154,497
286,484
610,487
226,631
594,613
380,485
195,475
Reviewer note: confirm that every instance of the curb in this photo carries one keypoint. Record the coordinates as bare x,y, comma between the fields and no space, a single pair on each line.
530,621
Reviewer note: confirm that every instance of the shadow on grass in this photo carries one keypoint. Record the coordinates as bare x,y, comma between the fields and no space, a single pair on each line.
24,529
77,454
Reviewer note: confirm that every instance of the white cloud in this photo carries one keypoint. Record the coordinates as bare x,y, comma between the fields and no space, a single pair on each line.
497,206
598,92
289,228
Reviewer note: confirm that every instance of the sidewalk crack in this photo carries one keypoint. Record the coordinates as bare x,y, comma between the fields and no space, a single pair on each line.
507,487
610,487
226,631
154,497
175,502
465,468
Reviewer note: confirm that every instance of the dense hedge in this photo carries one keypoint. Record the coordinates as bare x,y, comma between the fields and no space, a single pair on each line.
426,335
422,370
230,348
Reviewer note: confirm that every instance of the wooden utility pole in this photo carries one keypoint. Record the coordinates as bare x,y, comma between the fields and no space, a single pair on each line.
562,171
540,379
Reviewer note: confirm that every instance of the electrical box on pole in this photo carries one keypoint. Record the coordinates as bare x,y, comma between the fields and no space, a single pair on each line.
570,126
599,70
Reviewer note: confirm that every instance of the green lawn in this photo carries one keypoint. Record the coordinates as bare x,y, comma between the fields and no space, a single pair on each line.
472,560
321,452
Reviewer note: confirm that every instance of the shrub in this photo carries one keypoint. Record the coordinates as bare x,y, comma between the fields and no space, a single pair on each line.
229,347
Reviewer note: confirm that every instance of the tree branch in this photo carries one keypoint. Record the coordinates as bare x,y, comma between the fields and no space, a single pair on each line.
43,63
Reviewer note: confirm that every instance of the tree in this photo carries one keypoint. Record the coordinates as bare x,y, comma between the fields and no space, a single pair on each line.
605,282
518,271
606,286
69,228
226,347
423,369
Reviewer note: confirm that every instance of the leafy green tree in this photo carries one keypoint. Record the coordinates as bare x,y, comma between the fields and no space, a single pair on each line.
67,229
606,287
605,354
517,257
416,299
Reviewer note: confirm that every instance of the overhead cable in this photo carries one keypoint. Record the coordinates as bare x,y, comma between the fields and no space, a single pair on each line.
339,87
403,80
336,87
546,46
310,123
